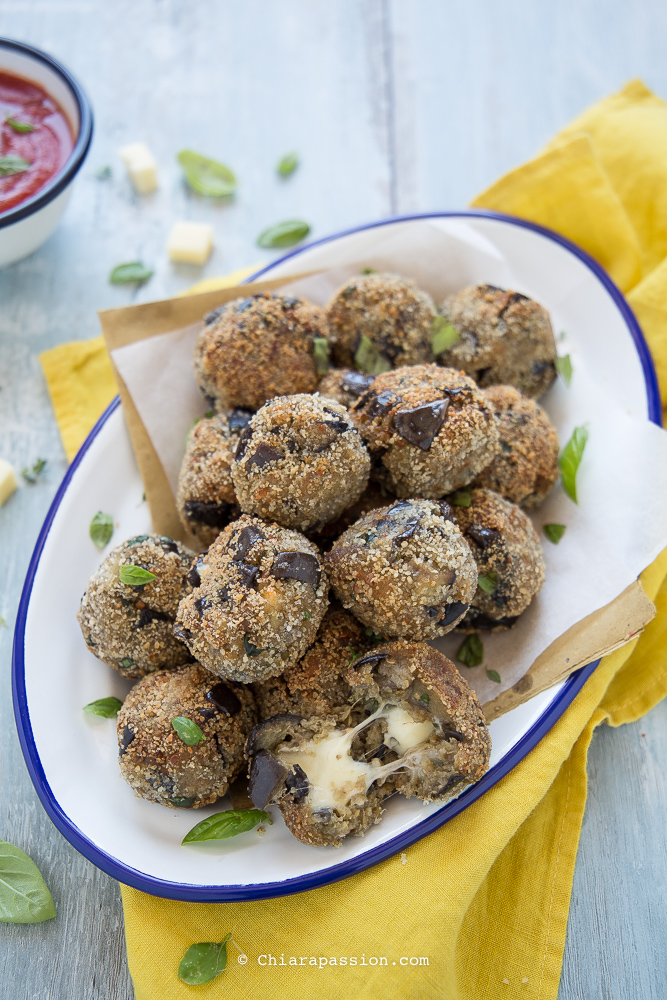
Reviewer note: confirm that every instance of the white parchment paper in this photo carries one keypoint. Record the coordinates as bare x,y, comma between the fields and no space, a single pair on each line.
620,523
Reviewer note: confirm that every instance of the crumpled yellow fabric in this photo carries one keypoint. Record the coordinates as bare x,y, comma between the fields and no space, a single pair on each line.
484,900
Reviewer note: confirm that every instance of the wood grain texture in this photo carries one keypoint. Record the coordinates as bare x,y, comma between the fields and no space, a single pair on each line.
393,106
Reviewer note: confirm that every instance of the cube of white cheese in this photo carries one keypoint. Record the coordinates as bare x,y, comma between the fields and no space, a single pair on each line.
8,481
141,166
190,242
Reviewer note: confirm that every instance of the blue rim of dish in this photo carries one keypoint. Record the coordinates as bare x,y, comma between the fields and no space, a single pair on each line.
81,145
231,893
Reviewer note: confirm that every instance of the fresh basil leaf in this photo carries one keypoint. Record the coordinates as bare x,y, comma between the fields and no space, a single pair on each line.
103,173
227,824
20,126
134,272
368,270
135,576
33,472
443,335
106,708
188,731
493,675
488,582
321,355
250,648
471,651
462,498
284,234
3,622
287,164
554,532
24,896
368,359
101,529
570,459
12,164
564,368
205,176
203,962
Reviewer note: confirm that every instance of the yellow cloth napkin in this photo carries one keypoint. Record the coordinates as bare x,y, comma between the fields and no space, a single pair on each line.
484,900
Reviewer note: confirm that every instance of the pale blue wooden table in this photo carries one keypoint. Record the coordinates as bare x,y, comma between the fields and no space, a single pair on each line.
394,107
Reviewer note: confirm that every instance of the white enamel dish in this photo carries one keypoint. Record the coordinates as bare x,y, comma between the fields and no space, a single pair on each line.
72,758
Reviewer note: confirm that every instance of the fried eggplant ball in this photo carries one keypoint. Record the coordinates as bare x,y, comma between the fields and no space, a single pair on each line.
300,462
525,467
344,385
431,427
505,339
508,555
405,571
419,729
253,349
205,497
129,625
260,595
154,759
316,685
380,320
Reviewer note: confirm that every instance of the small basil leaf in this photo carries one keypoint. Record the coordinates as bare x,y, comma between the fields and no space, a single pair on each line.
103,173
471,651
24,897
20,126
493,675
127,662
106,708
554,532
462,498
101,529
33,472
227,824
321,355
368,270
284,234
570,459
125,274
443,335
205,176
187,730
12,164
3,622
564,368
203,962
287,164
488,582
368,359
135,576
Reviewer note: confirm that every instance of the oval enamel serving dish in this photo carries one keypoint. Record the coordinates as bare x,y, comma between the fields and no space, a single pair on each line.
72,757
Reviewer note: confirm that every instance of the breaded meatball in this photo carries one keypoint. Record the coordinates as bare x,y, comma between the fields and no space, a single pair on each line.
205,497
404,570
505,339
431,428
256,348
508,555
260,595
344,385
300,462
129,625
153,758
393,315
316,685
525,468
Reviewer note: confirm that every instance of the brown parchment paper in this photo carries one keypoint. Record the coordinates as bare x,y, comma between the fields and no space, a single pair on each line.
594,636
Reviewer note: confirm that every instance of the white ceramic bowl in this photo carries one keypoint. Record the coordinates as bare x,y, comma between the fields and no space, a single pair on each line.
26,226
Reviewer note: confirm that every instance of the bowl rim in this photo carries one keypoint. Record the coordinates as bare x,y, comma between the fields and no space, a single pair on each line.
230,892
71,167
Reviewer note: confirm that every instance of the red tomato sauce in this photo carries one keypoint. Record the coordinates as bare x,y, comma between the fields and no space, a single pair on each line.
46,148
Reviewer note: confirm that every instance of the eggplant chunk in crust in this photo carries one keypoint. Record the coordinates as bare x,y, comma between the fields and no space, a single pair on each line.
419,729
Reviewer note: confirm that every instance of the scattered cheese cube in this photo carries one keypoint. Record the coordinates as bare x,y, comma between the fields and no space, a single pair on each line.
141,166
190,242
8,481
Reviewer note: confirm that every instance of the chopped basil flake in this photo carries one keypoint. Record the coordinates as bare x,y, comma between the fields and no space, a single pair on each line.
101,529
135,576
20,126
321,354
368,270
564,368
424,698
287,164
134,272
306,616
33,472
471,651
227,824
283,234
462,498
12,164
107,708
554,532
368,359
570,459
488,582
443,335
103,173
493,675
3,622
203,962
187,730
127,662
205,176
